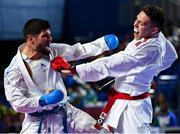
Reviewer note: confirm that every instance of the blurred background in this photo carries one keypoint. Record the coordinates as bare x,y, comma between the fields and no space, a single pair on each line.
83,21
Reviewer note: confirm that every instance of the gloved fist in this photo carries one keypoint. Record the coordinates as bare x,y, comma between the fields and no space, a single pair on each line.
53,97
112,41
59,63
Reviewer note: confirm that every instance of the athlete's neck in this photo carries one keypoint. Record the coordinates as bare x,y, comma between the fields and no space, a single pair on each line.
30,52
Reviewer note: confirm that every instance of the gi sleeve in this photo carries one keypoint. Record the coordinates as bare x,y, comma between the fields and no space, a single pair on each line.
169,55
114,66
80,51
15,91
120,64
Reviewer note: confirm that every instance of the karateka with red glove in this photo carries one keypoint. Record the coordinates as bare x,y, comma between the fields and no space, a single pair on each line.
129,108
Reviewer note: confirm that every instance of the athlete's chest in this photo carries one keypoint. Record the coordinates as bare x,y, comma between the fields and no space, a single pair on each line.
38,69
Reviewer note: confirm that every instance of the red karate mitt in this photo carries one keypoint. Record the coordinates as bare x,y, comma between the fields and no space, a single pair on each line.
59,63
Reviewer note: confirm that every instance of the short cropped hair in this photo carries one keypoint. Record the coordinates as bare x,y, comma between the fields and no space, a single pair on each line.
156,14
34,27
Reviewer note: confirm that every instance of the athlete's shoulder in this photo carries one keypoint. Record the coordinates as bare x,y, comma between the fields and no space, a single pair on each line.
12,66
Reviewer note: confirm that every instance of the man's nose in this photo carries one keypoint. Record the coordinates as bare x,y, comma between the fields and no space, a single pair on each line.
135,23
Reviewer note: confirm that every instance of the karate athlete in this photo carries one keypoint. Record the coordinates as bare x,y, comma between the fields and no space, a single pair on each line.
34,88
129,108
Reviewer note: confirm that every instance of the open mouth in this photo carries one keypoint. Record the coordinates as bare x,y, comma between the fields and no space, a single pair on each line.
136,33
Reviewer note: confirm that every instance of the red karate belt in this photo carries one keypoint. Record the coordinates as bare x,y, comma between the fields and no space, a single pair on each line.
113,96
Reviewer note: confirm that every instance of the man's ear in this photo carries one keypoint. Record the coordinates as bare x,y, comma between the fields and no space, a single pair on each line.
154,30
30,38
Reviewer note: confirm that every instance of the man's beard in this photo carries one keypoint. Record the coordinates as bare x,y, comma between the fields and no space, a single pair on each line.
45,50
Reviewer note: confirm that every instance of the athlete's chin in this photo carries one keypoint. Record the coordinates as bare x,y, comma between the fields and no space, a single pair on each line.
47,45
136,37
45,51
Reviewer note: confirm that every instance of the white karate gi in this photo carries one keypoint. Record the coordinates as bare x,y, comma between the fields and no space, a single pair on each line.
23,89
134,69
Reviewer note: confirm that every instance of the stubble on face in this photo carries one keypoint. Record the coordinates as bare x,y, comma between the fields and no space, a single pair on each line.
43,42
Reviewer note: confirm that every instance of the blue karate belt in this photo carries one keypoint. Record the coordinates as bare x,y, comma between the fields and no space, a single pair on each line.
55,110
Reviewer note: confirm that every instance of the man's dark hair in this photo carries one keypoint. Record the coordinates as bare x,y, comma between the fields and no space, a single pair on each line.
34,27
156,14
